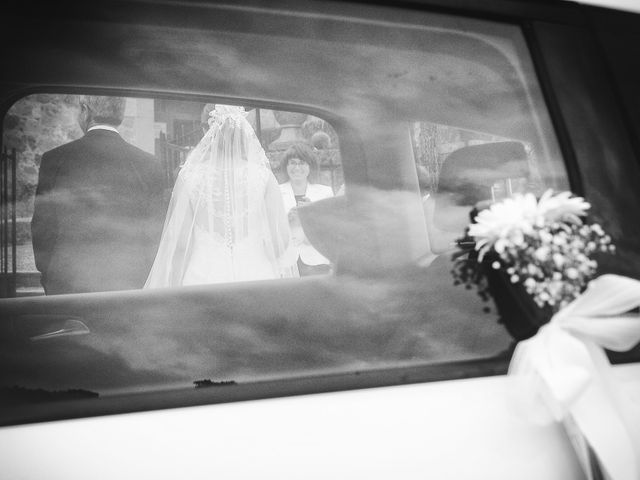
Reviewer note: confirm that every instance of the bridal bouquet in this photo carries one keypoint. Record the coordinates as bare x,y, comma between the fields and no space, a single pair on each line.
536,259
543,245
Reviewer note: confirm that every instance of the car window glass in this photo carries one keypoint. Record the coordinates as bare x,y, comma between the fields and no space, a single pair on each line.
410,124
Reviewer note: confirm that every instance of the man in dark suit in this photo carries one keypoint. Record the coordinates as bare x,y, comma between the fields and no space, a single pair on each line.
98,209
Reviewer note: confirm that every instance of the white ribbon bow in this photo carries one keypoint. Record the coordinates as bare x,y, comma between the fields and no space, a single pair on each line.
564,368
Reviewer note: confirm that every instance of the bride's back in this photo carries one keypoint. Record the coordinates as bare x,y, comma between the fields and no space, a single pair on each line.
228,204
226,221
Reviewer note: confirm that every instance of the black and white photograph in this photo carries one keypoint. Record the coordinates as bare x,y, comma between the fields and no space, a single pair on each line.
339,239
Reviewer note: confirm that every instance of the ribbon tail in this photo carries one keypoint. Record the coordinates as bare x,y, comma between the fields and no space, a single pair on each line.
605,421
585,454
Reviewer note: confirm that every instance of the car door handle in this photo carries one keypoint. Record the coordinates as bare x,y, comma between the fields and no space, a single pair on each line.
69,328
44,327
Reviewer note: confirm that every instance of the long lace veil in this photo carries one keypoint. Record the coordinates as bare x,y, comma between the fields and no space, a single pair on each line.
225,179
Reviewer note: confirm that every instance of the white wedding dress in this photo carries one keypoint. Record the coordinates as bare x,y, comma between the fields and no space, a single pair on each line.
226,221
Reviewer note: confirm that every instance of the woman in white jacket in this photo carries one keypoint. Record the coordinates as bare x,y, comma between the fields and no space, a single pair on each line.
301,167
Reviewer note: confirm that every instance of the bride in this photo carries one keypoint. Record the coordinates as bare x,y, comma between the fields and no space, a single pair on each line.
226,221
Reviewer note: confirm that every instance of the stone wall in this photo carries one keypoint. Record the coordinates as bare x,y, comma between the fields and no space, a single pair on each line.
38,123
34,125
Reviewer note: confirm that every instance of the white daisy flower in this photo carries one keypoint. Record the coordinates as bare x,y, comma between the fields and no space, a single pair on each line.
513,216
562,207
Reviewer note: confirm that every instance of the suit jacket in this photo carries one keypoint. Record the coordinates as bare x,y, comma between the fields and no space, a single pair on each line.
98,215
315,192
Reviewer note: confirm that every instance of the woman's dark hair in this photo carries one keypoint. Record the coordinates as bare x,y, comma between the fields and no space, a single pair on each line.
304,152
